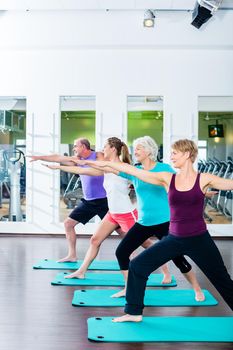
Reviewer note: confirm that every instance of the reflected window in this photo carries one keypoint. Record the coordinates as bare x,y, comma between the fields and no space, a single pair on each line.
216,152
145,117
12,158
77,120
202,150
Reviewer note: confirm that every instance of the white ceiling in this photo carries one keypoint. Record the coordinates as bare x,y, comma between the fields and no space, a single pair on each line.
103,4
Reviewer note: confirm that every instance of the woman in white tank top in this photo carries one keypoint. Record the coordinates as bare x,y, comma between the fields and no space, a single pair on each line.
117,194
122,214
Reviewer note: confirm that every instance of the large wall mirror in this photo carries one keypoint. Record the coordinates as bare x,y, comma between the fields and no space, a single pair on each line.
12,158
145,117
77,120
215,143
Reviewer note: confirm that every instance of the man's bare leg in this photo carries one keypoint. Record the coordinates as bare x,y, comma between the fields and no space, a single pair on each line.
104,230
71,239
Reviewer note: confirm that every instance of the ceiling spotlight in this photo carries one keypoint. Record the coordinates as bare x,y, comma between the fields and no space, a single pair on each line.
149,17
203,11
207,117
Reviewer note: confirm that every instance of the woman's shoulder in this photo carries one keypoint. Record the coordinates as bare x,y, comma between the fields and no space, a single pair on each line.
160,167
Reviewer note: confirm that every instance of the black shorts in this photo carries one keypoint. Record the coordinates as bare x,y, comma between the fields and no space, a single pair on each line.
86,210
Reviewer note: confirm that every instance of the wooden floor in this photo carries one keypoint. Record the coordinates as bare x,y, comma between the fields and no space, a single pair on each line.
37,316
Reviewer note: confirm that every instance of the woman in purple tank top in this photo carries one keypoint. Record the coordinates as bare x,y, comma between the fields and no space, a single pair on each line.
188,234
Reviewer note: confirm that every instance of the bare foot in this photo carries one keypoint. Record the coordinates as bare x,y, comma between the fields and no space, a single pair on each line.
68,259
166,279
76,274
119,294
128,318
199,295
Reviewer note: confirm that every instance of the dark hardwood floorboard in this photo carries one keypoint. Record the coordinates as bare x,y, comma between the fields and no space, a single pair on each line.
37,316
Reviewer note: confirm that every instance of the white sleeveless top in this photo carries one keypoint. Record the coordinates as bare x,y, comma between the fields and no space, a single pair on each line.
117,191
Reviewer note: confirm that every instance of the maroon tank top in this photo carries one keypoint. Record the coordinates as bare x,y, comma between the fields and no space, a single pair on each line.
186,209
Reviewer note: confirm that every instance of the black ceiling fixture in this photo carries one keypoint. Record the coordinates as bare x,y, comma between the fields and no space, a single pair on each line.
203,11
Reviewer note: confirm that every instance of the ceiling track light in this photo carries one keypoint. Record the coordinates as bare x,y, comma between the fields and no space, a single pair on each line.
149,17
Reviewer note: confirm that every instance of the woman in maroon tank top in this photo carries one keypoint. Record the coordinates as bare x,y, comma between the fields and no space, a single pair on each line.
188,234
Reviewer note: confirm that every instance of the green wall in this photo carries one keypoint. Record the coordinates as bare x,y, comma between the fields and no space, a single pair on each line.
142,123
82,124
77,124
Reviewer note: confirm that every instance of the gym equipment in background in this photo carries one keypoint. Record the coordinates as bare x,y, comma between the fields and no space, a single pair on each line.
14,161
73,192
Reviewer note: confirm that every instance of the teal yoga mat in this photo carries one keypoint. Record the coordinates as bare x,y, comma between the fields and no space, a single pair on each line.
164,297
107,279
162,329
96,265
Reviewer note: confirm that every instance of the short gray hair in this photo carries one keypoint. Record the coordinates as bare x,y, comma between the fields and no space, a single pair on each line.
149,146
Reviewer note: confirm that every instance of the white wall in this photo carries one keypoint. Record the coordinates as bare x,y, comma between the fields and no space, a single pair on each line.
45,55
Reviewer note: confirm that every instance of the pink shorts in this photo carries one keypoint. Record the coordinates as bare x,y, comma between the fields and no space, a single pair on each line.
125,221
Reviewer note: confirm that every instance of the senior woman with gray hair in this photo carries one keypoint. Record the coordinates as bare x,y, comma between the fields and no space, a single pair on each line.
153,212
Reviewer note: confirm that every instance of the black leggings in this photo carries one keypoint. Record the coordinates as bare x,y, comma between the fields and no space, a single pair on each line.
139,234
201,249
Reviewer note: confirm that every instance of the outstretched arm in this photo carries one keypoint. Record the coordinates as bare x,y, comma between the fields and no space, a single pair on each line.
217,182
75,170
55,158
93,164
160,178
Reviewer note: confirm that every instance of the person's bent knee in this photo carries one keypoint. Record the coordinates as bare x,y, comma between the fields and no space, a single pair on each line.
69,224
137,268
185,268
119,253
147,244
95,241
122,258
134,266
183,265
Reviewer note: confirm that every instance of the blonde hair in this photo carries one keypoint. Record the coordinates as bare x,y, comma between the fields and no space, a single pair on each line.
121,148
186,145
149,146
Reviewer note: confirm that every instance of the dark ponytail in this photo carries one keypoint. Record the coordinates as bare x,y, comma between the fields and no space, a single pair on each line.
121,148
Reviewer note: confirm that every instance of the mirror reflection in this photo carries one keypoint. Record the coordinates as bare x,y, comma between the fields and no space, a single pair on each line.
12,158
77,120
145,117
215,143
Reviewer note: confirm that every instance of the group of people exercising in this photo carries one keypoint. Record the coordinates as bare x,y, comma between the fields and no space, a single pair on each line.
169,207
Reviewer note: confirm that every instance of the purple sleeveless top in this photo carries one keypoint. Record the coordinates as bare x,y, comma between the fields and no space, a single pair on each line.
92,186
186,208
